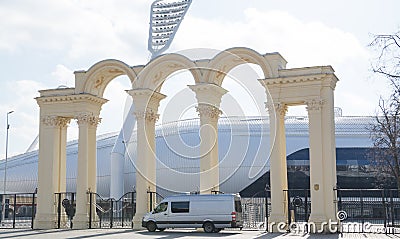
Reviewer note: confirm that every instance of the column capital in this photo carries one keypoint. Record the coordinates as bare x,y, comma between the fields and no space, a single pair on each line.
55,121
208,111
314,104
279,108
145,99
210,94
148,115
88,118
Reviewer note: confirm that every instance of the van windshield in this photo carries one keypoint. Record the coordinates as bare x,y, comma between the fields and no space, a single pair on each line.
162,207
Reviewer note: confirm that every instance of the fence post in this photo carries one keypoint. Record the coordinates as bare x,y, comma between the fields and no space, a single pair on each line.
151,201
33,209
266,210
111,213
90,210
289,212
122,210
385,215
362,211
392,210
59,211
306,191
15,207
72,203
133,207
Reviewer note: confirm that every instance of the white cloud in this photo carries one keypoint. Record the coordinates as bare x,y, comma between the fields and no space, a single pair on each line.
301,43
64,76
81,28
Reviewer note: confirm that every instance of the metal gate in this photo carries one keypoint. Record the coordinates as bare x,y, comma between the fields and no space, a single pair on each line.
256,211
66,208
298,205
369,210
17,210
111,213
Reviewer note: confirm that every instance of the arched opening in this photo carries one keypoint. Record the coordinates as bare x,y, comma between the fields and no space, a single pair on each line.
243,140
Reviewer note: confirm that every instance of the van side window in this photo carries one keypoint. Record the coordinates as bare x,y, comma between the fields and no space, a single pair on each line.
179,207
162,207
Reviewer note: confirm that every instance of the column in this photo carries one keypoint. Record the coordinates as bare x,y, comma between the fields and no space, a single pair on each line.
51,168
209,99
87,123
329,148
209,161
62,167
317,174
146,106
278,168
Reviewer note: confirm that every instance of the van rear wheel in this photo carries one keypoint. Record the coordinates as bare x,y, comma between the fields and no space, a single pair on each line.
151,226
208,227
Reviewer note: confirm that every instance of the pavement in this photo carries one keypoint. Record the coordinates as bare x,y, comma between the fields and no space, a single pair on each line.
172,234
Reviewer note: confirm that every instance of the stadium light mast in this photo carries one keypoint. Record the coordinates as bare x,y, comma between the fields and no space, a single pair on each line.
5,172
165,19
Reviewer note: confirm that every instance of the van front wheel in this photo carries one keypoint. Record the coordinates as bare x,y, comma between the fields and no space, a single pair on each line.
151,226
208,227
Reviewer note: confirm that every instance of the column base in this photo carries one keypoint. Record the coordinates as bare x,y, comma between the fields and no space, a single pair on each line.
321,224
45,221
80,221
137,221
277,223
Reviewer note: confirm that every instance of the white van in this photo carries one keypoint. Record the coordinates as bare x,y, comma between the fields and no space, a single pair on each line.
213,212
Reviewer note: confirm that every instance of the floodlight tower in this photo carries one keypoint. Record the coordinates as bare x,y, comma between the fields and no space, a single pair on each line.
165,19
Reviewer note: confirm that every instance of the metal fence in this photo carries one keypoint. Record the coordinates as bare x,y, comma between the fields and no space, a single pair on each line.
369,210
256,211
19,210
298,204
111,213
65,208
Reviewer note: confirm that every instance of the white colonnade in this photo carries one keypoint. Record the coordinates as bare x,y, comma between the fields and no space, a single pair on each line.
310,86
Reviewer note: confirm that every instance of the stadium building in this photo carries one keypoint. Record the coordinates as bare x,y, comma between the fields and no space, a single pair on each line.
243,153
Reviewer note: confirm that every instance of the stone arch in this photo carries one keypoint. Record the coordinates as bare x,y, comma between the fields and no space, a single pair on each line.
100,74
156,71
226,60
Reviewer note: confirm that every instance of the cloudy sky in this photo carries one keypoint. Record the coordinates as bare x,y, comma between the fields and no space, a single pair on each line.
42,42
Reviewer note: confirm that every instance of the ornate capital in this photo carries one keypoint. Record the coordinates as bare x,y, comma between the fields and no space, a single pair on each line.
314,104
88,118
148,115
208,111
279,108
55,121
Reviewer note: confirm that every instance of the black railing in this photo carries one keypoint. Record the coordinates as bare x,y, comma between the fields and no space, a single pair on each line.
65,209
256,210
369,210
19,210
298,205
111,213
